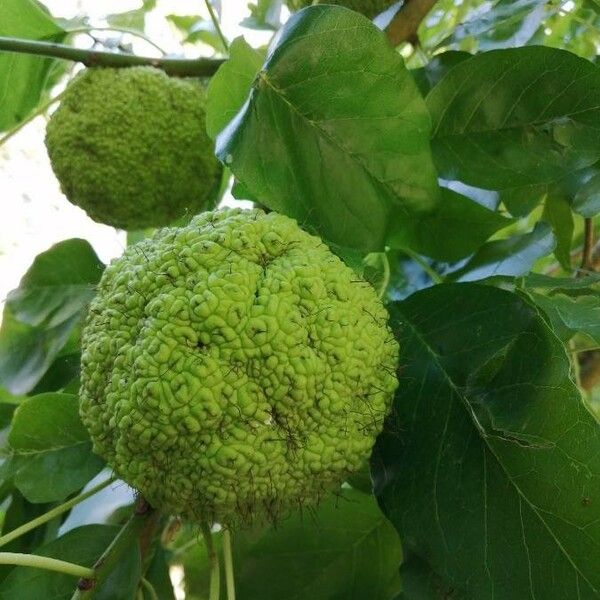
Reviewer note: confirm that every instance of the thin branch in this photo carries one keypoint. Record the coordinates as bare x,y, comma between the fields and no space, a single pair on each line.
44,562
589,369
143,518
51,514
587,255
217,25
181,67
405,23
131,32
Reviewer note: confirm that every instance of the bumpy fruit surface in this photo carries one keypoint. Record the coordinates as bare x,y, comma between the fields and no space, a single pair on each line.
369,8
235,367
129,146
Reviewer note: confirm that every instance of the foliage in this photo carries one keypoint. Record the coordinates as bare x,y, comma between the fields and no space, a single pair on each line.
458,174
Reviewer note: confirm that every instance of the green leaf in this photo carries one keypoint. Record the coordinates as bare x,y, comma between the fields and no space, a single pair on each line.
565,284
557,212
346,549
338,139
490,466
435,70
586,201
23,77
264,14
571,315
27,352
230,85
61,374
516,117
132,19
512,257
47,436
43,312
507,24
420,582
82,546
158,575
521,200
195,28
59,283
454,229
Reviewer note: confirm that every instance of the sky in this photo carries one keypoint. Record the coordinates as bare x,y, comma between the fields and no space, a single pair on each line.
34,214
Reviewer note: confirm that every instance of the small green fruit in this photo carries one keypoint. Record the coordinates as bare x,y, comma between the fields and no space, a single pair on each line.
129,146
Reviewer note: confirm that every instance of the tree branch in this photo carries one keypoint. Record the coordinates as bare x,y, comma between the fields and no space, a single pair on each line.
589,369
587,255
181,67
405,23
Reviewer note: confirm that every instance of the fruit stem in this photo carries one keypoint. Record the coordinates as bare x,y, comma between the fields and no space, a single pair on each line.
181,67
215,572
51,514
44,562
228,562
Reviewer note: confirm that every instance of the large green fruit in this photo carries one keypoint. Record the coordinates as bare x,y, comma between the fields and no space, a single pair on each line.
369,8
235,367
129,146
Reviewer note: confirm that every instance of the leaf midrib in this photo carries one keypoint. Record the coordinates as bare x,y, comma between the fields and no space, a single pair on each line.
334,142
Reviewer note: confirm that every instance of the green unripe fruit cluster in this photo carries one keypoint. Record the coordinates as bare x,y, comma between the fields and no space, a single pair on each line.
369,8
129,146
235,368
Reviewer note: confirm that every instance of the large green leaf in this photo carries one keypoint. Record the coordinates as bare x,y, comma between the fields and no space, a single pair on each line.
22,77
42,313
82,546
47,436
516,117
490,466
335,132
344,549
